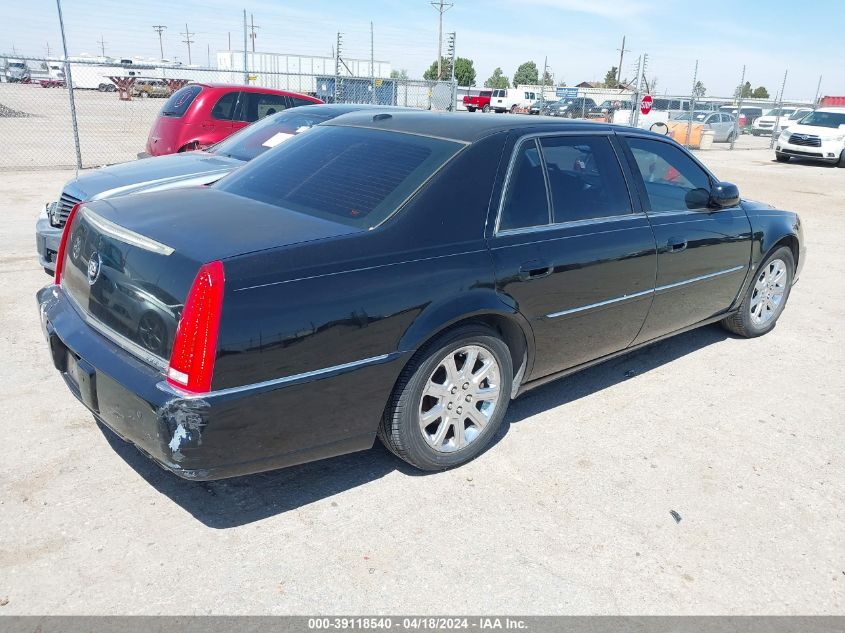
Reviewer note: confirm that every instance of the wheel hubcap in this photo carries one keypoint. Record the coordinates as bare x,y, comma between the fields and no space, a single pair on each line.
769,289
459,398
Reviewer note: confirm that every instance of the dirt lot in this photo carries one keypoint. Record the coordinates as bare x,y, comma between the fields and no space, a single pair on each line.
568,513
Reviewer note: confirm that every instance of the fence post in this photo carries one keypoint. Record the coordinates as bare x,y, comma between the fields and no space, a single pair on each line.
246,66
692,103
69,81
739,107
778,107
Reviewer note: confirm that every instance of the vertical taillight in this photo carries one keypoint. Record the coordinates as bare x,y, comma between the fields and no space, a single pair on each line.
195,345
60,256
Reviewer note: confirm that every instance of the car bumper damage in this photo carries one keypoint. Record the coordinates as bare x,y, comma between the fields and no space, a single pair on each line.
197,437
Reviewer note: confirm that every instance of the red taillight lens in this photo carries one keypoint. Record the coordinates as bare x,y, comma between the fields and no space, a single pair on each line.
60,256
195,345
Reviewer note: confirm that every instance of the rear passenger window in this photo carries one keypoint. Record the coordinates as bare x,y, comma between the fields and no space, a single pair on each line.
585,178
526,203
224,109
256,105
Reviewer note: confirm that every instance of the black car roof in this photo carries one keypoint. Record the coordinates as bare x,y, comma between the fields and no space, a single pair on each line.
467,128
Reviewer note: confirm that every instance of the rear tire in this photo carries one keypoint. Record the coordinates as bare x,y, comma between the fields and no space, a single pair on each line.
781,158
485,109
442,412
841,162
766,297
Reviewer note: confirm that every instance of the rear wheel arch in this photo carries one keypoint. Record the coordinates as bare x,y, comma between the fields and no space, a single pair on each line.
512,328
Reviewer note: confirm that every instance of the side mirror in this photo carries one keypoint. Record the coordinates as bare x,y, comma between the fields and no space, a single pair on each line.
724,195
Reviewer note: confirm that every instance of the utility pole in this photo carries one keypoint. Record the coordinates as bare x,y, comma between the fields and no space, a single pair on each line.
208,54
230,40
188,41
252,33
159,28
815,101
622,52
48,49
441,7
451,50
543,86
102,45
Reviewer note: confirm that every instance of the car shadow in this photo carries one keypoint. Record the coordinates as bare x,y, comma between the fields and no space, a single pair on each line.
242,500
807,162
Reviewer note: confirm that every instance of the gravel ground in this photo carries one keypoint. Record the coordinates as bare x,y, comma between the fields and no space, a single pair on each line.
570,512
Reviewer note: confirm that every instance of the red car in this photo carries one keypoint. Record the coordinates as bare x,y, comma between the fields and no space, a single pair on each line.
200,115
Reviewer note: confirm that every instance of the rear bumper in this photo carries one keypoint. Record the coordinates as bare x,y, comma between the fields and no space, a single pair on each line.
222,434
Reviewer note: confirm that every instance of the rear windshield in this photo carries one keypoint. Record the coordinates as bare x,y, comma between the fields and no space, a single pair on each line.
180,101
354,176
269,132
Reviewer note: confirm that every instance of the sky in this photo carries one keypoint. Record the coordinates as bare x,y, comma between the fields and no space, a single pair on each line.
580,38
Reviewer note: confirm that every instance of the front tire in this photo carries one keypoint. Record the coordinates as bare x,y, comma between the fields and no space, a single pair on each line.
450,399
781,158
485,109
766,297
470,109
841,162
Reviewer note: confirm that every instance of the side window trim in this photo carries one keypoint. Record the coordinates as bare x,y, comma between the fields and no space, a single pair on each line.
645,203
635,196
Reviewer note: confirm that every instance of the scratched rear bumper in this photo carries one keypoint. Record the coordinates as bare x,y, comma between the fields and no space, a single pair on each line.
198,438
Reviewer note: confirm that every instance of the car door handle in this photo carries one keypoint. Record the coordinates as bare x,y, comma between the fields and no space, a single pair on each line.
676,245
534,270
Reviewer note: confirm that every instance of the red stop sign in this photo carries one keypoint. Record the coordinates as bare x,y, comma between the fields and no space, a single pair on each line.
646,103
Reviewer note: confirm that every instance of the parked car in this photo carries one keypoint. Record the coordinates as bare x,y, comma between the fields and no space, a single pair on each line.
185,169
744,118
772,121
322,303
199,115
537,106
609,106
55,77
511,99
723,125
818,136
17,71
572,108
795,117
150,88
481,101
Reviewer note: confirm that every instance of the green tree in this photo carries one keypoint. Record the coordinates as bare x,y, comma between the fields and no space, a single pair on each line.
548,78
760,93
497,80
698,90
399,74
464,72
445,70
744,91
527,73
610,78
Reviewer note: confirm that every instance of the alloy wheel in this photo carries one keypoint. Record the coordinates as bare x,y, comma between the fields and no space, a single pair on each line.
769,289
459,398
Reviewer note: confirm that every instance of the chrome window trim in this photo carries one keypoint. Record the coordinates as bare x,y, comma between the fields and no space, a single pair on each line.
560,133
572,224
277,382
644,293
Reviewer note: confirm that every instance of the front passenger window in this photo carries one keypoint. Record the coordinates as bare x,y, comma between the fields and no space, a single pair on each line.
526,203
673,180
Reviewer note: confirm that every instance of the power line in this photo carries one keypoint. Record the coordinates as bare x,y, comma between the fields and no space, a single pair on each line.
442,7
188,41
158,28
252,33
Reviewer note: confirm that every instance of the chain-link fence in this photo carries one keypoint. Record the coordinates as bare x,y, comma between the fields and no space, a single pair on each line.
113,106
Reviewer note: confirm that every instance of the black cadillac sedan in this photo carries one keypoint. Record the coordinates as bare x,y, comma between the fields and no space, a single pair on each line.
398,274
